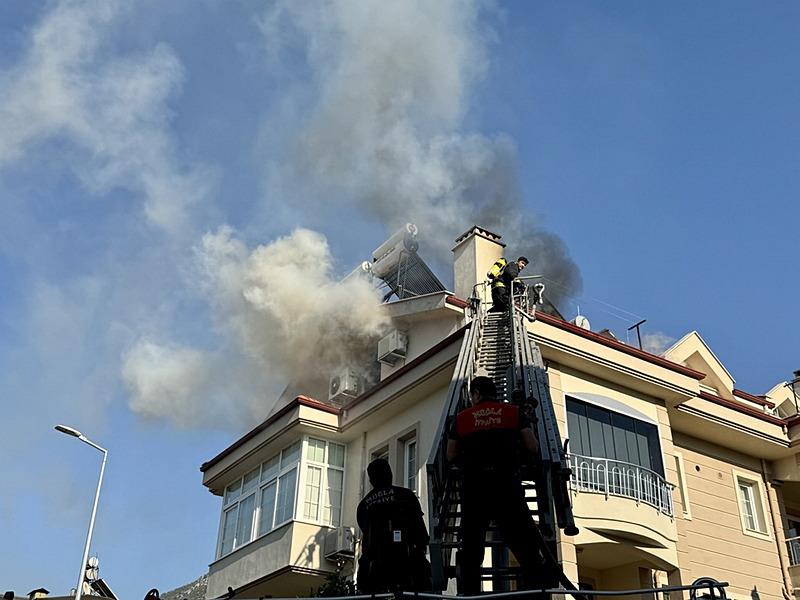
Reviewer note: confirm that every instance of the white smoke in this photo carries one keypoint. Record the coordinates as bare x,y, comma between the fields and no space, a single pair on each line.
110,110
385,125
284,305
164,381
656,342
285,318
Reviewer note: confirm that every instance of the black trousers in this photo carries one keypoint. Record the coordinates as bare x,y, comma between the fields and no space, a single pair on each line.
500,299
492,497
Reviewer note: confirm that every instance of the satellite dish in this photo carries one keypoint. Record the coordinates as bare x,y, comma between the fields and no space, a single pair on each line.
336,383
93,562
582,322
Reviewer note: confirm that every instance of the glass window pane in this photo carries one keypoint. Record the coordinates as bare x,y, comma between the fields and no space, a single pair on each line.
748,505
315,450
633,448
574,428
620,444
228,530
596,417
267,507
313,484
336,455
625,438
411,465
644,451
244,530
332,509
232,491
654,448
250,481
269,469
284,511
290,455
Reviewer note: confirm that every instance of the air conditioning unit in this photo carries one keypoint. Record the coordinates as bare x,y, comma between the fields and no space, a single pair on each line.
343,386
392,348
340,543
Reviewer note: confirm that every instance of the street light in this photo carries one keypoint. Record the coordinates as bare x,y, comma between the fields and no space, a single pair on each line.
75,433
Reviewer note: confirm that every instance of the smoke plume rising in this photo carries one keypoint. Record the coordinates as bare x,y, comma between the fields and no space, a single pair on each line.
286,315
381,128
385,125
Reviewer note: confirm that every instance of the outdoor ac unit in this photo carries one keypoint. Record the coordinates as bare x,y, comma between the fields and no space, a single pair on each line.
340,543
343,386
392,348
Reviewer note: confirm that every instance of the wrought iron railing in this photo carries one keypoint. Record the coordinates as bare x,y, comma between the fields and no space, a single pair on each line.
793,544
619,478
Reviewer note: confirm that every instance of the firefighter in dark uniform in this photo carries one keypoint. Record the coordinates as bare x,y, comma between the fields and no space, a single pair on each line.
394,537
486,439
502,278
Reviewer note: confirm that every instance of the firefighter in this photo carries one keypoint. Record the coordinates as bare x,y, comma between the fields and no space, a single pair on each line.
394,536
485,438
502,277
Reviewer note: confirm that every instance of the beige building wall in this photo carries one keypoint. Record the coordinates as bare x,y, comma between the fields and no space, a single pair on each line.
713,541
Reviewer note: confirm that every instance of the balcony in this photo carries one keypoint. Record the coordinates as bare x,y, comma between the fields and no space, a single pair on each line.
617,478
793,545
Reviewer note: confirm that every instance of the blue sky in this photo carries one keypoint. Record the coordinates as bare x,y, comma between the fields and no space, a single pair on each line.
149,150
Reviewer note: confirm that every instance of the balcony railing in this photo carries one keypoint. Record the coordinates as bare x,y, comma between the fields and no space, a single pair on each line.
618,478
794,550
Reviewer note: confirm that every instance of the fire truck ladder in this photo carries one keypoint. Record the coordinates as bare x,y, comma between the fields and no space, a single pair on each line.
497,345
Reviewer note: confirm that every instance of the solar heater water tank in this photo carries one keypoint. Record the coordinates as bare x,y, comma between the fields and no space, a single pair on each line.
387,256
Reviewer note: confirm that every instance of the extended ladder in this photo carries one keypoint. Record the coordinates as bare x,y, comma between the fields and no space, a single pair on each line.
497,345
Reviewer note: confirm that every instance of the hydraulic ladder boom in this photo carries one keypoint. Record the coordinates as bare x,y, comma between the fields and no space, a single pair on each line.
497,345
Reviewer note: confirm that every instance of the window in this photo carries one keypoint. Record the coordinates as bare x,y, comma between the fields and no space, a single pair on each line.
410,464
238,511
259,501
750,505
683,490
381,453
324,481
600,433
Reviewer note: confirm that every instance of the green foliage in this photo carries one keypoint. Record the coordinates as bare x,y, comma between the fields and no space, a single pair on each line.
335,584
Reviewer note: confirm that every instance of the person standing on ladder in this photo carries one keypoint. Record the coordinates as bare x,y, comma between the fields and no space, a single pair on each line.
502,276
485,439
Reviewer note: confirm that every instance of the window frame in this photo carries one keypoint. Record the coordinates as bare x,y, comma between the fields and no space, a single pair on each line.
257,493
756,490
682,485
581,399
306,463
407,445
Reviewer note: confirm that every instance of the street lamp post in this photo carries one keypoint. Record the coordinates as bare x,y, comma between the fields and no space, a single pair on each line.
83,438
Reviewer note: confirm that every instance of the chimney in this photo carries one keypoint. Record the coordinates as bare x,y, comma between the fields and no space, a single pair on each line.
473,255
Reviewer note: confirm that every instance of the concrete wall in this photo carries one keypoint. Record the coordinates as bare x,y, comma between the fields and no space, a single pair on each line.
420,418
713,543
252,561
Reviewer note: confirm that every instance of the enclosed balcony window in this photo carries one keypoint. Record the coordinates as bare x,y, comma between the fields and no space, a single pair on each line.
600,433
613,453
260,501
303,481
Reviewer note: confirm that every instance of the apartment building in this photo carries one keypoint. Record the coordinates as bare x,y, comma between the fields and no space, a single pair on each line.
676,473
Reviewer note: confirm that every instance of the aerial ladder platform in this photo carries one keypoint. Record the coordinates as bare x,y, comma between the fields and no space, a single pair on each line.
497,345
